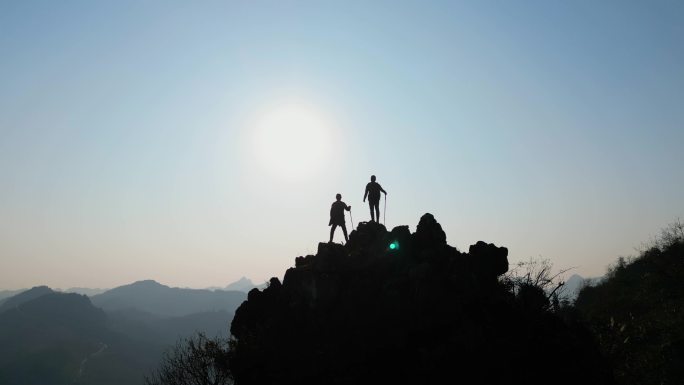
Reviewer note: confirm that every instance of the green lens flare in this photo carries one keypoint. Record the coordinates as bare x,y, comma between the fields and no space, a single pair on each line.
394,245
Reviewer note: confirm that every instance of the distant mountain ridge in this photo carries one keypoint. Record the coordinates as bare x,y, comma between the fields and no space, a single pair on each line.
44,339
244,284
84,290
155,298
4,294
25,296
51,337
575,283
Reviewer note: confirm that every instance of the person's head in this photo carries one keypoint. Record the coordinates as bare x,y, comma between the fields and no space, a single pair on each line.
372,178
338,196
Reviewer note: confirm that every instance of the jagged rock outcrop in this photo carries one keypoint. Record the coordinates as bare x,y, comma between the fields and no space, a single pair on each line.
401,308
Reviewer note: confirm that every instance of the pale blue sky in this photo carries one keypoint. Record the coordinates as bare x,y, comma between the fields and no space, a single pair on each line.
554,128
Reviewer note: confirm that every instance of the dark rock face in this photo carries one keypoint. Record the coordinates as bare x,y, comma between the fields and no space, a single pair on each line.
429,232
490,260
402,308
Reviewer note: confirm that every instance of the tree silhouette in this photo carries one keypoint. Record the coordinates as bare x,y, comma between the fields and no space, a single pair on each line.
636,312
197,360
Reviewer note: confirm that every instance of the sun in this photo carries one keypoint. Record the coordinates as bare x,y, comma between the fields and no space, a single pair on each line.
293,141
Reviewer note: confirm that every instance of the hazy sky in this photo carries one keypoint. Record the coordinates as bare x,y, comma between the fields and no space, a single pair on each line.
196,142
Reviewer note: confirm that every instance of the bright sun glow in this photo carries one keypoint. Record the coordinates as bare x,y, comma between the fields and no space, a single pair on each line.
293,141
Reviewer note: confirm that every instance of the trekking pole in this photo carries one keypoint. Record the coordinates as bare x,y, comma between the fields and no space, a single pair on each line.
384,212
352,219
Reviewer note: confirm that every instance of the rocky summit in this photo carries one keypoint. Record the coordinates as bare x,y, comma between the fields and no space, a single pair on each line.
405,308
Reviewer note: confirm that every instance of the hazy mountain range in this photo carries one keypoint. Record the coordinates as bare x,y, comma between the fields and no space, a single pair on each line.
155,298
115,337
243,284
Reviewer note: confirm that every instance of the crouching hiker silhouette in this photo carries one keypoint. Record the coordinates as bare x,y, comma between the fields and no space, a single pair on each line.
337,217
373,190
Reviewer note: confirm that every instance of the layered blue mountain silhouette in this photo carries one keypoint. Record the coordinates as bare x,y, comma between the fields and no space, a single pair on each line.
243,284
4,294
155,298
24,296
44,339
49,337
85,291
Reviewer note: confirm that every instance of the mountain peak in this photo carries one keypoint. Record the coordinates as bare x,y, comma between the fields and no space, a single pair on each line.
25,296
155,298
147,283
404,308
243,284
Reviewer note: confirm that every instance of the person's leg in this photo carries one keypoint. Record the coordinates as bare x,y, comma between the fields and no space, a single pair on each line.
344,230
332,232
370,205
377,211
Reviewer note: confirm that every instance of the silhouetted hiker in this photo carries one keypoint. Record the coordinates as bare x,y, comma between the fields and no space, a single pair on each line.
337,216
373,190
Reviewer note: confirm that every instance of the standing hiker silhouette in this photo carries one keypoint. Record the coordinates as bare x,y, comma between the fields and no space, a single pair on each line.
337,217
373,190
